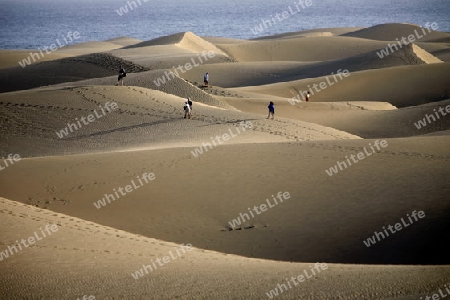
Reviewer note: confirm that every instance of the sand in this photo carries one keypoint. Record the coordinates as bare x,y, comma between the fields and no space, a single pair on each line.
216,167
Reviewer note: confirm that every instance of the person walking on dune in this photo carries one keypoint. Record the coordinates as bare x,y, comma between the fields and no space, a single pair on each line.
307,96
206,79
189,101
271,108
122,74
187,110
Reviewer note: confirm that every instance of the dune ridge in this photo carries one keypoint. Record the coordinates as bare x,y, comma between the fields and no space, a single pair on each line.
184,40
391,32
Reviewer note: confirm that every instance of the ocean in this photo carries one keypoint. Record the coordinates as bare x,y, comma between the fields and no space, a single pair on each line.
29,24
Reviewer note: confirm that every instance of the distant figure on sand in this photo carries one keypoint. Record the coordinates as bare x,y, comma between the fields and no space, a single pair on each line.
187,110
190,103
307,96
206,79
271,110
122,74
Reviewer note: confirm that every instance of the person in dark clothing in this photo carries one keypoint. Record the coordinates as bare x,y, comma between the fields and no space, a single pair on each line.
122,74
271,108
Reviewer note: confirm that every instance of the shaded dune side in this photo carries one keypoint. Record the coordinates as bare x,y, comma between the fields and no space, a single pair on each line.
198,273
64,70
443,54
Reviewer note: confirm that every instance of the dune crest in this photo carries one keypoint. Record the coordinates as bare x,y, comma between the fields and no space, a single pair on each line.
194,43
425,56
185,40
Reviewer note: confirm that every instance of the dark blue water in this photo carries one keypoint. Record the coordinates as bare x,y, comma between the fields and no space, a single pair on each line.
29,24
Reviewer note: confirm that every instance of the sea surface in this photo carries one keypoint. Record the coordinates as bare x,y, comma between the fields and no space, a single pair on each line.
29,24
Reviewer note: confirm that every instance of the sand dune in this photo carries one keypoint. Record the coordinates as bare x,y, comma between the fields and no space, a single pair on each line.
124,41
433,47
364,119
11,58
96,47
103,263
408,88
145,119
185,40
391,32
257,73
161,80
311,33
195,43
239,74
290,230
64,70
443,54
170,51
84,142
301,49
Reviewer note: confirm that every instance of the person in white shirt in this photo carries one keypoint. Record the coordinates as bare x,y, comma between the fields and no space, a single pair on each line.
187,110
